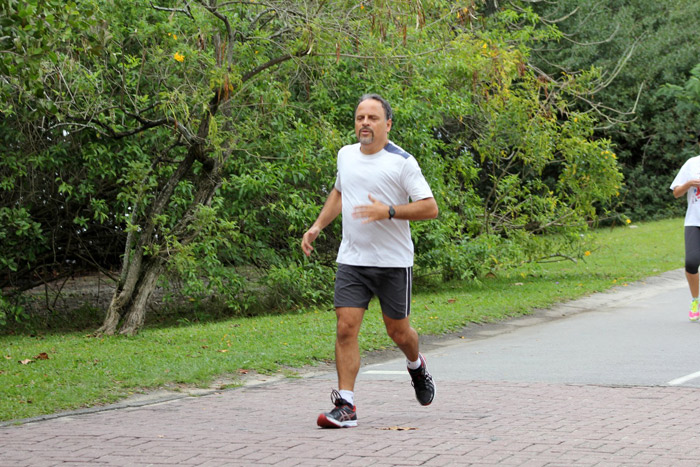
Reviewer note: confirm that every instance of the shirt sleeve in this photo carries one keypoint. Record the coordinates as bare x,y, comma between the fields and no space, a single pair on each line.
682,176
337,173
336,185
414,182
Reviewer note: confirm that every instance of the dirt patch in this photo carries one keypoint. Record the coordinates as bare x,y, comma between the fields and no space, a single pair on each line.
93,290
76,303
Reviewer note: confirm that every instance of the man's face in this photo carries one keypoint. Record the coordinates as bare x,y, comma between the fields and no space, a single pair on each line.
371,125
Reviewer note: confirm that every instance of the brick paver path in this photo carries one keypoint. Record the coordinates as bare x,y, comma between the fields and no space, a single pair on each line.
470,423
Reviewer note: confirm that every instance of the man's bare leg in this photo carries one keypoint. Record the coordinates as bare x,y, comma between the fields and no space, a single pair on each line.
403,335
347,348
406,338
347,364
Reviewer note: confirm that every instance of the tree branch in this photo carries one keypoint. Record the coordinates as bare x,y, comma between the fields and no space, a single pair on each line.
273,62
186,11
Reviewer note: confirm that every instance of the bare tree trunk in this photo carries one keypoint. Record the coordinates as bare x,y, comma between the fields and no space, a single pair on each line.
128,305
111,321
140,274
136,315
128,279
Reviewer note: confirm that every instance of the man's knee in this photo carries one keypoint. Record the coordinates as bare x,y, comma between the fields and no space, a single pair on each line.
346,331
349,322
400,331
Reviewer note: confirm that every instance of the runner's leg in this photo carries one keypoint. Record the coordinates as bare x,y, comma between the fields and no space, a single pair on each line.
405,337
347,349
692,259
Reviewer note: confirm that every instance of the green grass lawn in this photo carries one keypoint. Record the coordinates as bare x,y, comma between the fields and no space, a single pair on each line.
83,371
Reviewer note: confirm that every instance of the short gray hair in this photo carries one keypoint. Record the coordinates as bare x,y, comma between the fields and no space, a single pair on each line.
385,104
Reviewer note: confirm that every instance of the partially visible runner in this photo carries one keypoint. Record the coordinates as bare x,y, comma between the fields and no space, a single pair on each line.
687,182
379,188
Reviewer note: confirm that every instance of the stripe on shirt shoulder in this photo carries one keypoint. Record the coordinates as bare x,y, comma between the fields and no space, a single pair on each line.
394,149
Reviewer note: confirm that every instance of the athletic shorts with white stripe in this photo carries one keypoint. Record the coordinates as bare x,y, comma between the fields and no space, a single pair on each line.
356,285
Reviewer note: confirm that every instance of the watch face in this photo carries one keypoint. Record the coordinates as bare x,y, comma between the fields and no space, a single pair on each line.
392,212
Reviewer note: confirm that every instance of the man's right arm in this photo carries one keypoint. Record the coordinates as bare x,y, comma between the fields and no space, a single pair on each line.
331,209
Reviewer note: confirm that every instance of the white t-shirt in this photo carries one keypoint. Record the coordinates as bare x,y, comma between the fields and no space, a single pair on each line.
690,171
391,176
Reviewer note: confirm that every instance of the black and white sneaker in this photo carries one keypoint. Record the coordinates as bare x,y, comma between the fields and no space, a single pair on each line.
343,415
423,383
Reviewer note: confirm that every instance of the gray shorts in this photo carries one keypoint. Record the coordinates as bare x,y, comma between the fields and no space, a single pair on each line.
356,285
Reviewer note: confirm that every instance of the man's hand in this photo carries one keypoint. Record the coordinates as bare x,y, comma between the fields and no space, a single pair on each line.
371,212
331,210
308,239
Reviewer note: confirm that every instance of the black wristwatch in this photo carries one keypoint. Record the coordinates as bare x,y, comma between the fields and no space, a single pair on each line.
392,212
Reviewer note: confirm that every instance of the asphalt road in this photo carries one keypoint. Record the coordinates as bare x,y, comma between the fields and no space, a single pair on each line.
634,335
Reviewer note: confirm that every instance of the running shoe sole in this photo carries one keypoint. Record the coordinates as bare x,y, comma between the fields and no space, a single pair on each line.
328,422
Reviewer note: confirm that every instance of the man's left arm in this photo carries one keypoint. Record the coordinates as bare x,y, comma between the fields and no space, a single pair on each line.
415,211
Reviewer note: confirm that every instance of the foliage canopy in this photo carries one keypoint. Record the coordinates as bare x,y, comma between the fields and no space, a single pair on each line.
196,141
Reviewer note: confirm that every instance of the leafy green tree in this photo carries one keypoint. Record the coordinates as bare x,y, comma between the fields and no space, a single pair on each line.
212,75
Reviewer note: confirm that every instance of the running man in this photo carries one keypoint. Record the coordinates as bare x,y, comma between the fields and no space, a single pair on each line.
379,188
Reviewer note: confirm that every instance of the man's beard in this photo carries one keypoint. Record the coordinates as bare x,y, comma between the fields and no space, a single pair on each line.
366,139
